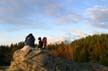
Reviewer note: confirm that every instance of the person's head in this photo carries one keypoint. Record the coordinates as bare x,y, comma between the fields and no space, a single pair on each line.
39,38
30,34
44,38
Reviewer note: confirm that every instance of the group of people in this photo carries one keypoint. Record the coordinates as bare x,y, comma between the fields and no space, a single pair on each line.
42,42
30,40
30,43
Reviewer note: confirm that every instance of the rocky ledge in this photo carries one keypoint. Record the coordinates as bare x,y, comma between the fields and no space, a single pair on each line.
40,60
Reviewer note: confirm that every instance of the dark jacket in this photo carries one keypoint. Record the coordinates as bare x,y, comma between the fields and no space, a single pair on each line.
30,40
40,44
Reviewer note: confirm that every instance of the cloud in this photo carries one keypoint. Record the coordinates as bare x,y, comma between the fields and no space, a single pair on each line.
54,9
25,8
78,33
28,13
98,17
99,0
55,40
69,18
59,39
51,41
70,1
21,12
14,11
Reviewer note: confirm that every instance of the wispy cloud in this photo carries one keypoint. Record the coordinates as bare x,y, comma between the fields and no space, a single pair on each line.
98,17
78,33
70,1
14,11
19,12
99,0
69,18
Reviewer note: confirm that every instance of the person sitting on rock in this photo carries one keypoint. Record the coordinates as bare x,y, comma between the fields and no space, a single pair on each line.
29,44
40,43
30,40
44,42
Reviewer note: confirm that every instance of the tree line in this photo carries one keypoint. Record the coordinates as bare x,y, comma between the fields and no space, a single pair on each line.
92,49
6,53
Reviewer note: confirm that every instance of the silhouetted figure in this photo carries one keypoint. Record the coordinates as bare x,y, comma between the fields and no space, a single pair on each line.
30,40
29,44
44,42
40,45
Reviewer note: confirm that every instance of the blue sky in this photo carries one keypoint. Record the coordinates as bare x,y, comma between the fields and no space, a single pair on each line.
58,20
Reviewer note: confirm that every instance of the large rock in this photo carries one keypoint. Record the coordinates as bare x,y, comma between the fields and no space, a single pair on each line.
40,60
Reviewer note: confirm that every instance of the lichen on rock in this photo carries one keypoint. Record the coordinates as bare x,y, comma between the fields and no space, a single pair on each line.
41,60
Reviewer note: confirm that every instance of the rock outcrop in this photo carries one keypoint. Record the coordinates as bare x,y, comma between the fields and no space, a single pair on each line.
40,60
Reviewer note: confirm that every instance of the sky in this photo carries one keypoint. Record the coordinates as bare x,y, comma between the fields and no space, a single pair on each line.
58,20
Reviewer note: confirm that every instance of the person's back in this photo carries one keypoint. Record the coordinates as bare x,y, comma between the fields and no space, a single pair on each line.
40,43
30,40
29,44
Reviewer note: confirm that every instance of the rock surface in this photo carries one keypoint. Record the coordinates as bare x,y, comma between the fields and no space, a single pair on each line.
40,60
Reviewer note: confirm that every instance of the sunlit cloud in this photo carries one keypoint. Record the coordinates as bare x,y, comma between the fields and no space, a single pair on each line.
78,33
61,39
56,40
